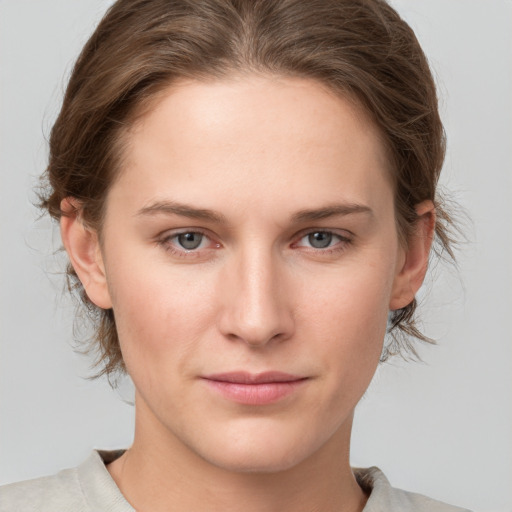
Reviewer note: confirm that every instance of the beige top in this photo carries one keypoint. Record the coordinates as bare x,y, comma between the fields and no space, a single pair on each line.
90,488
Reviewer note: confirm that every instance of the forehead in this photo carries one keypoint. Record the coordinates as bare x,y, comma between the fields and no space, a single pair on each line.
254,136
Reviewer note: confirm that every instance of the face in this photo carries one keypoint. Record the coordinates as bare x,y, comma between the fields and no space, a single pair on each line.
251,257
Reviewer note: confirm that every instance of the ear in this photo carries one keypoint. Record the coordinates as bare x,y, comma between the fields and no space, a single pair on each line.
413,265
83,248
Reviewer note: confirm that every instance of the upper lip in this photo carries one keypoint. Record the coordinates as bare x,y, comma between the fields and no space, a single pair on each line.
253,378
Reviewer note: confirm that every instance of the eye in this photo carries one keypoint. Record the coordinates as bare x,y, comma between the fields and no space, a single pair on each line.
189,241
322,239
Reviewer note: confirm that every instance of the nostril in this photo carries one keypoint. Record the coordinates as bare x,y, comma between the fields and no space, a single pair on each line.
275,328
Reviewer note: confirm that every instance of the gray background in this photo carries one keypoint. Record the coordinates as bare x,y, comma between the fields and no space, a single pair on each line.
442,427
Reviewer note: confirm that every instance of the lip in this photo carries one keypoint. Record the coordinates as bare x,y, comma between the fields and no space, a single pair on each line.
254,388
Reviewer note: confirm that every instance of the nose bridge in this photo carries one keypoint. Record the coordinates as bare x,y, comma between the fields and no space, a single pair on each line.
257,308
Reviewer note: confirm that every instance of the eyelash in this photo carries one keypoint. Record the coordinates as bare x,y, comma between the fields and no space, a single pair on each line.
338,247
167,243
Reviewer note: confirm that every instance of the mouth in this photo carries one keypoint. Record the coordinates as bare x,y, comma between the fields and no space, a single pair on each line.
254,388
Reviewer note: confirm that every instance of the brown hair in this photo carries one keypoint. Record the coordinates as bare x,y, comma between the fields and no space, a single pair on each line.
359,48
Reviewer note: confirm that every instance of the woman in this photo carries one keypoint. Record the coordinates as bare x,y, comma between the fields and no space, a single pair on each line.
247,196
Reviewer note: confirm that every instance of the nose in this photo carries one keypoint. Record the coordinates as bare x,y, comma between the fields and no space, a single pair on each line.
257,303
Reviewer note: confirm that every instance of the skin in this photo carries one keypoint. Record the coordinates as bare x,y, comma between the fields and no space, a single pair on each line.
272,160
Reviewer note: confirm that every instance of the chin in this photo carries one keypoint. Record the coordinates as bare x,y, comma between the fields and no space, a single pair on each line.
252,462
260,450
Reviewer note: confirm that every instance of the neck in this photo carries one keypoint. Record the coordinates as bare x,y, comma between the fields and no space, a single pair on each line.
159,471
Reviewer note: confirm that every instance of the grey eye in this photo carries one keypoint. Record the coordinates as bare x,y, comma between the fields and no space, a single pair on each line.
190,241
320,239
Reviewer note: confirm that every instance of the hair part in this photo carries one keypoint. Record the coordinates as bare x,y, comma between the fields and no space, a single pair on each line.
359,49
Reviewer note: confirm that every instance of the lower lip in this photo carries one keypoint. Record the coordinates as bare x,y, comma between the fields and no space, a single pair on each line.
255,394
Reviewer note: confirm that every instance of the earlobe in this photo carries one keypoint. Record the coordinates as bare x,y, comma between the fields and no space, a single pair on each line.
413,267
82,246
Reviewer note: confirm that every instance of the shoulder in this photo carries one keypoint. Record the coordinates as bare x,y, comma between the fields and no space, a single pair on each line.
51,493
384,497
86,488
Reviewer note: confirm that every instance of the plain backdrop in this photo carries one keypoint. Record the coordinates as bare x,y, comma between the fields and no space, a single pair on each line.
442,427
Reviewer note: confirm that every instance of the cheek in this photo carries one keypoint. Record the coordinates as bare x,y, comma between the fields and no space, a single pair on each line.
354,302
158,313
347,317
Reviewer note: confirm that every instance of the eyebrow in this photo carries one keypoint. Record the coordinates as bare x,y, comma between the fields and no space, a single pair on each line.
331,211
183,210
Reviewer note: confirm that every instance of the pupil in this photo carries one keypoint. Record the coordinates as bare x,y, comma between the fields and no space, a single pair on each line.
190,241
320,239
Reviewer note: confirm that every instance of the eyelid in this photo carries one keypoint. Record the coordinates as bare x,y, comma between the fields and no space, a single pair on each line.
344,238
165,240
341,233
173,232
